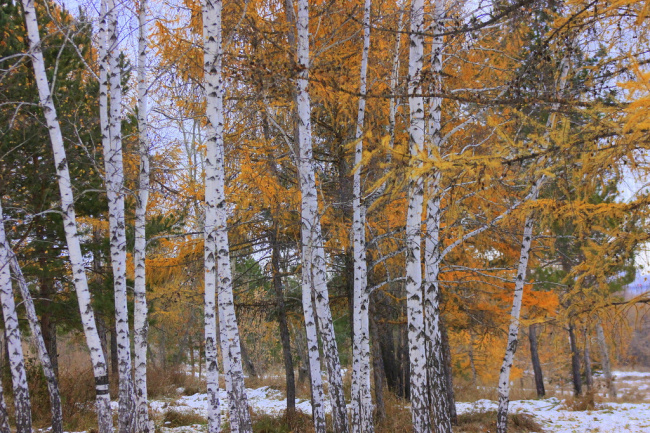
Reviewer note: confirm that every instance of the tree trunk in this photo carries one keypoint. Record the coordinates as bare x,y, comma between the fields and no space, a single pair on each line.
575,362
48,325
414,299
285,336
534,356
22,405
448,372
314,264
69,221
140,322
44,357
472,364
115,364
604,353
513,332
361,399
378,368
248,364
111,122
4,416
216,226
589,378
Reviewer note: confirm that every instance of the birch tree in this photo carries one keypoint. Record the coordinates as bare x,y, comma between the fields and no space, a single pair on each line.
216,239
520,279
414,301
22,405
362,420
105,421
111,123
437,384
140,323
314,264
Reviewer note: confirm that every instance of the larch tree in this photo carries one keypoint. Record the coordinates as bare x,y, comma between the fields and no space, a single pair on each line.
522,267
80,280
314,266
218,273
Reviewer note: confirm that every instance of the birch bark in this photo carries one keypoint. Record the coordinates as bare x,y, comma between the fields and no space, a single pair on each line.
313,251
105,421
362,420
114,179
432,254
216,224
22,405
414,294
35,328
140,323
212,71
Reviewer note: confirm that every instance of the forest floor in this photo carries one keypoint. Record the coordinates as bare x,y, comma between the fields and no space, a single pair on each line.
557,414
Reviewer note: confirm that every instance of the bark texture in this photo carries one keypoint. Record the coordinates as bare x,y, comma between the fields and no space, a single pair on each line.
604,353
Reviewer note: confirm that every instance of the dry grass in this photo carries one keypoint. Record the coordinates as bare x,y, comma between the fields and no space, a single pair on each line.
274,378
480,422
587,401
296,422
398,415
164,381
176,418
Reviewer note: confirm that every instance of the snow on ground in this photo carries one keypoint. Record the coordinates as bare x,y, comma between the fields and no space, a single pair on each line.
554,418
550,413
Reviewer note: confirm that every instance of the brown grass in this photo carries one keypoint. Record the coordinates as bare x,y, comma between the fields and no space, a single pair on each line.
587,401
480,422
164,381
176,418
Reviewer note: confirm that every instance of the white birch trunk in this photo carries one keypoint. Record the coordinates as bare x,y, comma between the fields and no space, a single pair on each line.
22,405
394,81
216,224
140,323
513,331
114,179
362,420
432,248
604,353
317,392
213,83
414,301
311,230
104,415
35,328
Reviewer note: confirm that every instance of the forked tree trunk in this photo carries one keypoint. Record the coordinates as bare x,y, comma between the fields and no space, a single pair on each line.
140,322
604,353
534,356
104,415
44,357
111,115
414,299
361,397
22,405
216,224
314,264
